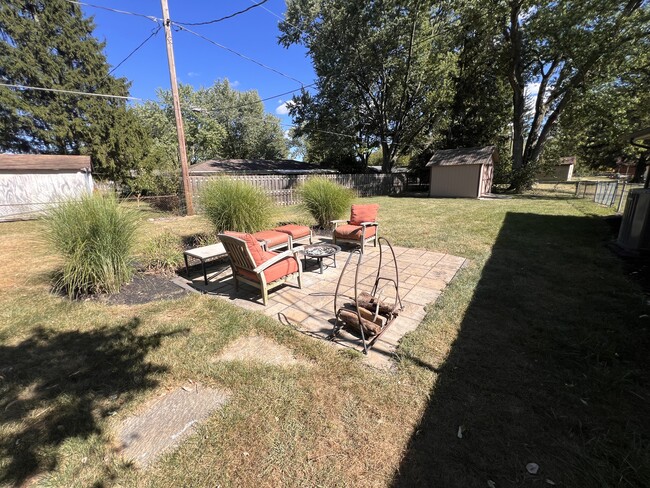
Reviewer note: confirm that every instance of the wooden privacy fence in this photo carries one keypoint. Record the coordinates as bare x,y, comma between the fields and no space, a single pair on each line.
282,188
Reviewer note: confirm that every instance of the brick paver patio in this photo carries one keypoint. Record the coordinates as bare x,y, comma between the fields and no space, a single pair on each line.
422,275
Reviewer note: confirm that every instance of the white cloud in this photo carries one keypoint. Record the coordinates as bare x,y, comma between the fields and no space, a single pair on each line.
282,109
235,84
193,74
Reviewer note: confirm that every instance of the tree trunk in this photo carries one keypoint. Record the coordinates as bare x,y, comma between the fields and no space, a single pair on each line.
518,85
387,162
640,168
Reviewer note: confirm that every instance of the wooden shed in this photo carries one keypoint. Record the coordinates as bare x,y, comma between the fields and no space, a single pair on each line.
563,171
465,172
31,183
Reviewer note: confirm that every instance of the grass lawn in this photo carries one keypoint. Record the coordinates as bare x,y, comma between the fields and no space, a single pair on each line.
537,350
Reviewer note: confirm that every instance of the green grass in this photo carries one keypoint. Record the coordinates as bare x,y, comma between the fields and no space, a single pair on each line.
536,348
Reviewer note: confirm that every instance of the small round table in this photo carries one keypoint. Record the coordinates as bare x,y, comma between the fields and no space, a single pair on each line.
320,251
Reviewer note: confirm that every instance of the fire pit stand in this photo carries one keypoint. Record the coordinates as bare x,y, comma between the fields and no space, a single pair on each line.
368,315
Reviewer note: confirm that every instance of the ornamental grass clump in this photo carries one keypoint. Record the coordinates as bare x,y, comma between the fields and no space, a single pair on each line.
163,253
236,206
95,235
325,200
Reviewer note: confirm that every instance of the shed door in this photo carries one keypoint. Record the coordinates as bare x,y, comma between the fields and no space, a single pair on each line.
486,179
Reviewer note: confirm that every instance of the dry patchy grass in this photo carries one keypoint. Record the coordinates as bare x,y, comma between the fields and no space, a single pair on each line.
540,321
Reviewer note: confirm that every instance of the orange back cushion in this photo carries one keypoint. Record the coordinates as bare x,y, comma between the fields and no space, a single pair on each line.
259,256
363,213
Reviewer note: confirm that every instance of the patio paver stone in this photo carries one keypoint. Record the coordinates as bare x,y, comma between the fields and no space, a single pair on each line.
423,276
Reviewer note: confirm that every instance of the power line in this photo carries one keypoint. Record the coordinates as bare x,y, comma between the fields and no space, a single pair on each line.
243,56
321,130
153,34
279,17
234,14
233,107
70,92
150,17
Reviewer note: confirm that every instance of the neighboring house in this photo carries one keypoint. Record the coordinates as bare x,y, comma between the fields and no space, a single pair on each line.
625,170
465,172
257,167
31,183
561,172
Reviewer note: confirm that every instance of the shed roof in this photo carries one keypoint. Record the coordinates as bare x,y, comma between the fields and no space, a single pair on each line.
257,166
462,156
52,162
567,161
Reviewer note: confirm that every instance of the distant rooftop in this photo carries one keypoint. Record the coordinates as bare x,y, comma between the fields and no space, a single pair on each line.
48,162
471,155
257,166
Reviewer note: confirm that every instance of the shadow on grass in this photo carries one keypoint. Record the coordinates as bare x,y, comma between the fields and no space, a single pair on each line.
57,385
550,366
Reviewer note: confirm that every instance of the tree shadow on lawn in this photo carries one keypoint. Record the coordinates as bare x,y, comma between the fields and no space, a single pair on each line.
58,385
550,366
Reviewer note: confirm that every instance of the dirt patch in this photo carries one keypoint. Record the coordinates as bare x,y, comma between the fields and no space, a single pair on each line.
145,288
260,349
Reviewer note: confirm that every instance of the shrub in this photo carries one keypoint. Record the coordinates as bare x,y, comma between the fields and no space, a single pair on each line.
325,200
236,205
163,253
95,236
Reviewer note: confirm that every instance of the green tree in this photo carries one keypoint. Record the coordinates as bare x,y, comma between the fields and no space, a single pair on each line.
250,132
384,71
595,126
50,44
565,49
481,108
220,122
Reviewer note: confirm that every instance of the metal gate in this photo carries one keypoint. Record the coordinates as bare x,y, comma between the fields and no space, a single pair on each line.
606,192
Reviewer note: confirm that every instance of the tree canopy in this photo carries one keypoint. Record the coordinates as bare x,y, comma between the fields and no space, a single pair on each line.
50,44
565,49
384,72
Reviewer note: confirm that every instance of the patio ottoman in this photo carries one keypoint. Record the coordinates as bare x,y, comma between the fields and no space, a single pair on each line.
297,232
272,239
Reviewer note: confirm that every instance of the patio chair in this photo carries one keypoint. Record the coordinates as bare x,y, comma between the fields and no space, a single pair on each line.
360,229
259,268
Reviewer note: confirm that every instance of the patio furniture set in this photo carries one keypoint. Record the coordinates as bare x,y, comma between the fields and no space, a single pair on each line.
255,261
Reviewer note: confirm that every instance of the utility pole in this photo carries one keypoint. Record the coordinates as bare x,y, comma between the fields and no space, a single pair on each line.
177,110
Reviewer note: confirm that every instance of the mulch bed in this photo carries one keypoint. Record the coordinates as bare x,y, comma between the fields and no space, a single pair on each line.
145,288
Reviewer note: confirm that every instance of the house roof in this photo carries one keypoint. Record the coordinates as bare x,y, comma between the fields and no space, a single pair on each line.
567,161
257,166
51,162
471,155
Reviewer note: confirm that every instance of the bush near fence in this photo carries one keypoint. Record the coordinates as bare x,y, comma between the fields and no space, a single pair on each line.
282,188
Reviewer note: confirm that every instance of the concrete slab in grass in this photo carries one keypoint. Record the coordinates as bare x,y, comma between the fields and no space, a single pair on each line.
166,422
259,349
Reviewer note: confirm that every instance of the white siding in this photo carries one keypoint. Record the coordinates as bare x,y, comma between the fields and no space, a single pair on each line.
25,194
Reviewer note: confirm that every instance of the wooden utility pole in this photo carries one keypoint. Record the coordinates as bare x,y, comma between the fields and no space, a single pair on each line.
177,110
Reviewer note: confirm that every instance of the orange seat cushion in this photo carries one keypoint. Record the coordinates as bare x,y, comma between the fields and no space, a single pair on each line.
353,232
252,244
295,231
279,270
272,238
363,213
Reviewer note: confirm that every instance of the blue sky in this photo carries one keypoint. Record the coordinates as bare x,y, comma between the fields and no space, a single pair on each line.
198,62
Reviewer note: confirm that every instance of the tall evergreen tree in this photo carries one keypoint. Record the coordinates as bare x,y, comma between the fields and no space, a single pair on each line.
50,44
